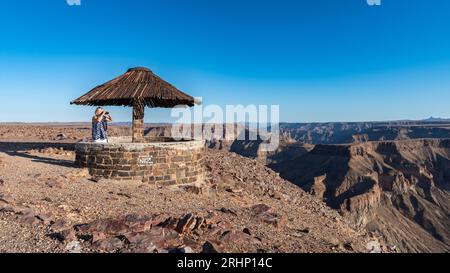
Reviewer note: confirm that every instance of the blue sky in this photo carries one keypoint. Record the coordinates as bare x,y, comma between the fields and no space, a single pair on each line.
320,60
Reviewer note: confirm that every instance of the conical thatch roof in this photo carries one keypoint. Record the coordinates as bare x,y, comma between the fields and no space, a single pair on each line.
136,84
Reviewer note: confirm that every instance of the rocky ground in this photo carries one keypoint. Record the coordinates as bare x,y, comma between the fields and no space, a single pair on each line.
48,205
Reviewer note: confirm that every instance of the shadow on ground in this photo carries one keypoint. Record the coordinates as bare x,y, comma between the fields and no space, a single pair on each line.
20,149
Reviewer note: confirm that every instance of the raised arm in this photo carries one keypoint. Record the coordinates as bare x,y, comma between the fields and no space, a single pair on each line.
108,118
99,118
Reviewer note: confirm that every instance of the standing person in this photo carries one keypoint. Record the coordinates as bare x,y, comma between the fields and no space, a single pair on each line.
100,125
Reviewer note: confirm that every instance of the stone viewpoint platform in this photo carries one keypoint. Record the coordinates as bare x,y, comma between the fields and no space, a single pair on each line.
162,161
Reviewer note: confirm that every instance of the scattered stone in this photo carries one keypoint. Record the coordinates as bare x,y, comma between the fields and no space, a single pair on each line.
158,236
170,222
190,242
275,195
334,242
263,212
195,189
274,219
46,218
61,136
127,195
74,247
21,210
7,199
59,225
67,235
64,207
6,208
47,199
374,247
234,190
54,183
28,217
96,179
186,223
83,173
305,230
200,223
234,236
247,231
97,236
211,218
143,248
261,208
348,246
225,210
109,244
224,225
123,225
136,238
186,250
392,248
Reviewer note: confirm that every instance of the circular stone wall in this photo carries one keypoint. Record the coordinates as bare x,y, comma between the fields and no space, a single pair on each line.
163,163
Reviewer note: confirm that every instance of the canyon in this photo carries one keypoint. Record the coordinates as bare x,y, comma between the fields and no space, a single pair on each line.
390,179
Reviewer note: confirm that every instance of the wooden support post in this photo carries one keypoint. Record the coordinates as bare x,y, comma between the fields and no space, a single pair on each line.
138,121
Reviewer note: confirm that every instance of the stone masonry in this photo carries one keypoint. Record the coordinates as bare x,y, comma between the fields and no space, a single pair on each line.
162,163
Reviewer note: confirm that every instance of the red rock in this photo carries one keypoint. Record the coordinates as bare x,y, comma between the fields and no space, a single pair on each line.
136,238
67,235
273,219
213,230
6,208
109,244
186,250
186,223
61,136
127,195
247,231
28,218
59,226
157,236
193,189
7,199
224,225
170,222
212,218
188,242
234,236
21,210
97,236
120,226
107,226
96,179
143,248
46,218
261,208
54,184
225,210
200,223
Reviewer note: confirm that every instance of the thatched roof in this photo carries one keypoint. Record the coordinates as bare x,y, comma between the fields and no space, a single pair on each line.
136,83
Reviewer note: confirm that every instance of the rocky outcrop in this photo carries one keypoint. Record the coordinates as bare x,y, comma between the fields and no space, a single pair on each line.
407,178
357,132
